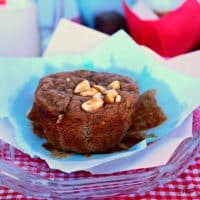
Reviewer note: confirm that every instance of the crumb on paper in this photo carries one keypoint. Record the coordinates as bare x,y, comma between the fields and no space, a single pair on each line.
60,154
151,135
55,153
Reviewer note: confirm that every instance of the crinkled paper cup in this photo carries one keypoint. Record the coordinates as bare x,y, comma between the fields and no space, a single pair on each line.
175,33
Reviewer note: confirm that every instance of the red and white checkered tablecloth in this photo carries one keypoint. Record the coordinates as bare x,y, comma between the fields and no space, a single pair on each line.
185,187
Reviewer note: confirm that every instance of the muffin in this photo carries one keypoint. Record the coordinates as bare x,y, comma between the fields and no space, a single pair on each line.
148,113
84,111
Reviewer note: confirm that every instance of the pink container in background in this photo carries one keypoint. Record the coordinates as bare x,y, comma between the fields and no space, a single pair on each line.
175,33
2,2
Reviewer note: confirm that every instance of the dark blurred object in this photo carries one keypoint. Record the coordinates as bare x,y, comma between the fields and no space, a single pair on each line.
109,22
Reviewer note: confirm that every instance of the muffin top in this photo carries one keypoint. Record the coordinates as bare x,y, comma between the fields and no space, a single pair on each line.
84,91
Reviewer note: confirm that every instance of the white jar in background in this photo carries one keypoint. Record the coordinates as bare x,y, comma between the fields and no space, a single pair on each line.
19,30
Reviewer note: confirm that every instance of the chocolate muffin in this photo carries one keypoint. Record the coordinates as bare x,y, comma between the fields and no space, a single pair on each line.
84,111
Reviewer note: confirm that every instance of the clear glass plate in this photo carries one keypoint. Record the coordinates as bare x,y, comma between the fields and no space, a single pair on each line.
33,177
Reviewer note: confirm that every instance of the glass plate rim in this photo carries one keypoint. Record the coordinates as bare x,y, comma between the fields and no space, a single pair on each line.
20,180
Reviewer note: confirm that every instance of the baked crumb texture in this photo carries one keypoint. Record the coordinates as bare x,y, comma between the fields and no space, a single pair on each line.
61,112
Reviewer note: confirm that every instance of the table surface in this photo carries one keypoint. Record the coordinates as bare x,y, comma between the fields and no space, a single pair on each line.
187,185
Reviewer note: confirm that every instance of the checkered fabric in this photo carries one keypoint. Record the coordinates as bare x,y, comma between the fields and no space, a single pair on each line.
185,187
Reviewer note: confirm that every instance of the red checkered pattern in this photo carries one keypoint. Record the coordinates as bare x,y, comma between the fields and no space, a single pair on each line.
185,187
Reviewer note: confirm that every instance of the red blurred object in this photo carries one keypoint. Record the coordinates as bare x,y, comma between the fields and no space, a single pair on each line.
2,2
175,33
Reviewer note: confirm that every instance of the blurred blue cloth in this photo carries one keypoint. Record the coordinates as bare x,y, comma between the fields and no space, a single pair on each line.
88,9
50,12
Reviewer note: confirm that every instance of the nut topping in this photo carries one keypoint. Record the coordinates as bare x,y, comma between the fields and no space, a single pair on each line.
82,86
68,79
118,98
92,104
114,85
99,88
110,96
112,92
89,93
98,95
59,119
